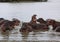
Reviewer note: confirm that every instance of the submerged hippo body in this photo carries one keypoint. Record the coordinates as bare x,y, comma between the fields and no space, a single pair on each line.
40,27
26,28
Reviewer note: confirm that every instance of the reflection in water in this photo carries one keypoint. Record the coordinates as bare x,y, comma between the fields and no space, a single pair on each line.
24,36
4,36
32,36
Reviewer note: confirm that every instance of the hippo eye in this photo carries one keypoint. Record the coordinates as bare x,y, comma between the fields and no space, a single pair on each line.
50,22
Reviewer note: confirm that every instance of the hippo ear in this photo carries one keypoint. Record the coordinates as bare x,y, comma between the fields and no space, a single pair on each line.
14,19
1,18
34,15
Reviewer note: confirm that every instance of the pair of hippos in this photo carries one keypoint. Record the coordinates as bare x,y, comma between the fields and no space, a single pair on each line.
7,24
42,25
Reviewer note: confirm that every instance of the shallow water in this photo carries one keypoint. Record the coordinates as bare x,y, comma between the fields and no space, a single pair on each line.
24,11
32,37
